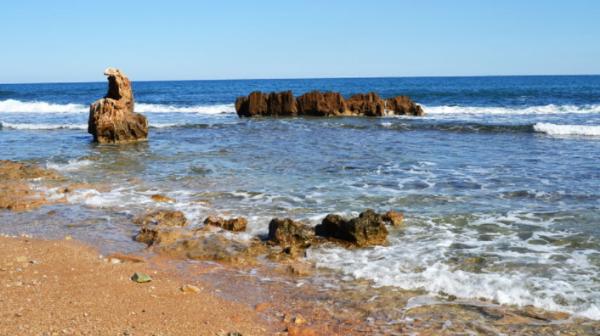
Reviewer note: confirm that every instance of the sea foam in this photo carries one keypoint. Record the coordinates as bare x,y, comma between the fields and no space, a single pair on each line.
497,110
566,130
17,106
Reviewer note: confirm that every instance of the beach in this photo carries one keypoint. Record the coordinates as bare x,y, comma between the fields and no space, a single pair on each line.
494,190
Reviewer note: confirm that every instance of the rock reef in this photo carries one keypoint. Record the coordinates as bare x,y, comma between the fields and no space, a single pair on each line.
112,119
323,104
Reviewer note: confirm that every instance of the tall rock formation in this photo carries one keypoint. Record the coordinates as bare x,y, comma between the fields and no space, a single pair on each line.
112,119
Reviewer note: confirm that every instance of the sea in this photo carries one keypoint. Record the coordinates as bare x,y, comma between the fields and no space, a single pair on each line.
499,181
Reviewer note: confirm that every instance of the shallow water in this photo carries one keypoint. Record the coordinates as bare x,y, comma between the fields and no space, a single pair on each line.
499,182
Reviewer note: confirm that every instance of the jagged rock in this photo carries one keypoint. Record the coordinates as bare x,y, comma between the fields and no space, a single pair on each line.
366,229
233,224
403,105
369,105
262,104
215,247
162,218
394,218
111,118
16,193
289,234
161,227
321,104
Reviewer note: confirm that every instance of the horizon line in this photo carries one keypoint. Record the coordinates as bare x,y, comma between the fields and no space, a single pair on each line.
310,78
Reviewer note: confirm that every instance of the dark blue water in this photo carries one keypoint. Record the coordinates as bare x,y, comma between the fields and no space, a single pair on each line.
501,168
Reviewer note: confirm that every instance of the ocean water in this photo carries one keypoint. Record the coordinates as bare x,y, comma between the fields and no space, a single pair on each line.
499,182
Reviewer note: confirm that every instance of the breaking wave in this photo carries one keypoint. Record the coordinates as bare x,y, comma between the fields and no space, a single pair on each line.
566,130
17,106
542,109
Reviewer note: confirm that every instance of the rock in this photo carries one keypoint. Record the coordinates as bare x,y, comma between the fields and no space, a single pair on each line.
403,105
366,229
233,224
300,331
394,218
16,193
111,118
321,104
261,307
369,105
162,198
140,277
262,104
120,258
190,289
254,105
161,235
215,247
289,234
163,218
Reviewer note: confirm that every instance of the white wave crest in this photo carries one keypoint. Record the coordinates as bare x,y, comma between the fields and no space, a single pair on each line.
24,126
202,109
16,106
565,130
542,109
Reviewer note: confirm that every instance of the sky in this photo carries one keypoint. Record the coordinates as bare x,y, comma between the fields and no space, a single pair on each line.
71,41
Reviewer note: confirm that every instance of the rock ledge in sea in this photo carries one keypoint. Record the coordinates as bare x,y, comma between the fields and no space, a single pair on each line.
112,119
323,104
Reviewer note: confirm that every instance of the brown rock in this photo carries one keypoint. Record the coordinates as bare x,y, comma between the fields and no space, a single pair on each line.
403,105
162,218
233,224
111,118
161,235
254,105
366,229
320,104
215,247
282,104
300,331
162,198
394,218
15,191
289,234
369,105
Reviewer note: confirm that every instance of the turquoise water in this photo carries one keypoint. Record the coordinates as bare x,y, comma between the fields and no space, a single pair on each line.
502,170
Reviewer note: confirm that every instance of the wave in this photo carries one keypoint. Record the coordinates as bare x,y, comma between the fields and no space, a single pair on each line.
497,110
565,130
17,106
26,126
460,127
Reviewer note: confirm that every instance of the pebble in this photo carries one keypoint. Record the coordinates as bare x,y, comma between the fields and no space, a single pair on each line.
140,277
190,289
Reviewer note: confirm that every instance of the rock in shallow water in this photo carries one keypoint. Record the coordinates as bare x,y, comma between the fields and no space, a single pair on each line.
288,233
323,104
365,230
233,224
111,118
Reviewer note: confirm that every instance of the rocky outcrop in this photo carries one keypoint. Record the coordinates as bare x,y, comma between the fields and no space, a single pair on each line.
111,118
403,105
394,218
289,234
233,224
368,105
161,227
16,192
261,104
323,104
365,230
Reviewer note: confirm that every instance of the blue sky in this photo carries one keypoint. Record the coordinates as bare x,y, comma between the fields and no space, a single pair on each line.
57,41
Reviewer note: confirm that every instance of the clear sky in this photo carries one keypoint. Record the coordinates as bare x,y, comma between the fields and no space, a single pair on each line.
57,41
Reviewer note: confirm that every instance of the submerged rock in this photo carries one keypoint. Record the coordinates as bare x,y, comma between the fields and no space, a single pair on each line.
215,247
365,230
323,104
16,193
233,224
111,118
